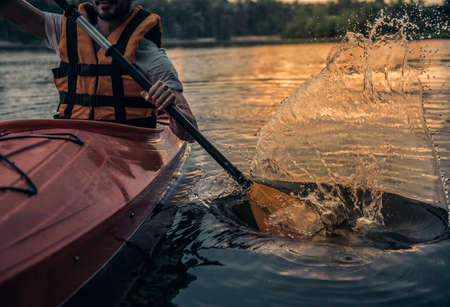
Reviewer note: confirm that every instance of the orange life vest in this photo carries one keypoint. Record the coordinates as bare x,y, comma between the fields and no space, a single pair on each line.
92,85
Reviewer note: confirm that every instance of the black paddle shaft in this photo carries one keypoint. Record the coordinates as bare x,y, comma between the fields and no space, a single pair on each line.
142,80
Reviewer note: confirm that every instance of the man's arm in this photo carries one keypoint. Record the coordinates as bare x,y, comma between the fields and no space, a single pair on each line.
167,88
24,15
183,106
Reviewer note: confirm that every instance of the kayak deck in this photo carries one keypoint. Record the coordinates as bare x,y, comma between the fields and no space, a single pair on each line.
92,194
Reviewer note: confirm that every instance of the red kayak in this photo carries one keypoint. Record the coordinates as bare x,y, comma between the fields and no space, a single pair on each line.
71,193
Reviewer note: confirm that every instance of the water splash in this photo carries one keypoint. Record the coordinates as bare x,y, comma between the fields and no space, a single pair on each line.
358,124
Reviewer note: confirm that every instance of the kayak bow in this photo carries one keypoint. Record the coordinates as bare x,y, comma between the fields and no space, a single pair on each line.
96,182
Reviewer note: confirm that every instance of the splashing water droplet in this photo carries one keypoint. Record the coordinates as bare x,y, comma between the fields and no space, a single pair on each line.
359,124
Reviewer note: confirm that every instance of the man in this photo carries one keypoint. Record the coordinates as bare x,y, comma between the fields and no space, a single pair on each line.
90,84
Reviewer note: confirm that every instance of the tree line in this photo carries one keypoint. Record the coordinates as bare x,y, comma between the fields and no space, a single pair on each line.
222,19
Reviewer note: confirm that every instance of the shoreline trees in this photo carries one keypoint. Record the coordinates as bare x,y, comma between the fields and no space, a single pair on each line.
222,19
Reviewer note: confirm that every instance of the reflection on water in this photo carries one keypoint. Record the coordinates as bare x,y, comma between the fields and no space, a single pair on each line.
26,87
212,256
210,259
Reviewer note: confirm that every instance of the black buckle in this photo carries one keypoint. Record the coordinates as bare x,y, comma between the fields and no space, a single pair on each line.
86,70
74,69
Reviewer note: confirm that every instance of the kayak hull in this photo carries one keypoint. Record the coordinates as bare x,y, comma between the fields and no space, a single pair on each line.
91,199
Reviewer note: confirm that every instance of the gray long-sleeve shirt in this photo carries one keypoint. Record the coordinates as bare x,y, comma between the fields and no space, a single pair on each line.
149,57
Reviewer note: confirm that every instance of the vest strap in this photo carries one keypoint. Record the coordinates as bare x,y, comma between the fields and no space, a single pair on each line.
122,42
90,70
155,36
72,53
116,76
86,100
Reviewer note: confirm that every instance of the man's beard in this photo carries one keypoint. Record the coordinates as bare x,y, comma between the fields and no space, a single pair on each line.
118,12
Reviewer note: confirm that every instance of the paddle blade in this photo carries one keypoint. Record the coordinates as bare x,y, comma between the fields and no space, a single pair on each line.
281,214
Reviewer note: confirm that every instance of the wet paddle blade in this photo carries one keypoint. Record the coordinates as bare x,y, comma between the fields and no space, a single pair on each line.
281,214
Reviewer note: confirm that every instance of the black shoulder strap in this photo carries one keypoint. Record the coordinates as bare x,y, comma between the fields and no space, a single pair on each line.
72,53
140,16
155,36
91,14
116,78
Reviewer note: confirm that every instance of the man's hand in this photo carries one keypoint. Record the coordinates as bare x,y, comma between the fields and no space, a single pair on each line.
161,96
24,15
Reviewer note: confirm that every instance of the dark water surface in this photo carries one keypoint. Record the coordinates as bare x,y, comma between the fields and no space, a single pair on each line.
210,256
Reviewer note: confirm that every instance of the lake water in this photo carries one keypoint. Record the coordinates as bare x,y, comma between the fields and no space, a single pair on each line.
209,256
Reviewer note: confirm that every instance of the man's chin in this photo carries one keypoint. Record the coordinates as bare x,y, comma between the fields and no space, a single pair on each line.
111,14
106,16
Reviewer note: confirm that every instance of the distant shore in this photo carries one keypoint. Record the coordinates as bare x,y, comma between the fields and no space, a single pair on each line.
242,41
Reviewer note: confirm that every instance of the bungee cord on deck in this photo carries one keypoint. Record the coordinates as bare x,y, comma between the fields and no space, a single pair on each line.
32,189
